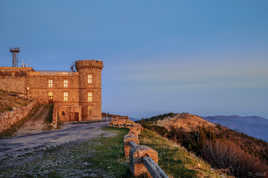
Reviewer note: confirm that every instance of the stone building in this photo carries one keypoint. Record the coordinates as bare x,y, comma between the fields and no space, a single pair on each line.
76,95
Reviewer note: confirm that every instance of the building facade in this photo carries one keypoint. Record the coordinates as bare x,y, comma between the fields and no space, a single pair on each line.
76,95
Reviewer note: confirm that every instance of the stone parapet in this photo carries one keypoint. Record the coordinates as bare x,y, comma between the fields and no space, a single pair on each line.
136,130
16,69
122,122
51,73
137,154
80,64
143,159
127,139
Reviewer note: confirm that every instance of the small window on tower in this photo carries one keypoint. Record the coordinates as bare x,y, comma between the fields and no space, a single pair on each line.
50,83
89,97
65,83
89,78
65,96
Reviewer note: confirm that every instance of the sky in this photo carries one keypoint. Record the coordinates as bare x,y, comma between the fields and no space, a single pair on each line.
203,57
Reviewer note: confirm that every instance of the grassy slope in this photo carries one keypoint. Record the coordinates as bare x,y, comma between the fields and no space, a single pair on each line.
232,152
175,160
109,154
189,124
8,100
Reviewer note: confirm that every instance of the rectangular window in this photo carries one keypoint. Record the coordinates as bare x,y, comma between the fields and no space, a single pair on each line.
89,78
89,97
65,83
65,96
50,83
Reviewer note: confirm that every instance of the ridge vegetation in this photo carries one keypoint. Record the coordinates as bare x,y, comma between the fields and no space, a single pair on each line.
232,152
175,160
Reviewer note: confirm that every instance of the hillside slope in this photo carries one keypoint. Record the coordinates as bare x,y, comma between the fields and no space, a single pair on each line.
185,121
236,153
175,160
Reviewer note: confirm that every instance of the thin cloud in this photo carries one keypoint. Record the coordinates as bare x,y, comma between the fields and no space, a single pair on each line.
224,73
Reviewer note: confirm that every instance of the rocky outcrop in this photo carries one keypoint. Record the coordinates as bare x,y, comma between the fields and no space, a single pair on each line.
186,121
122,122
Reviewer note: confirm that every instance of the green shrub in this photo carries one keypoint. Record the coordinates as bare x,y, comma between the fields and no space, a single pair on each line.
49,118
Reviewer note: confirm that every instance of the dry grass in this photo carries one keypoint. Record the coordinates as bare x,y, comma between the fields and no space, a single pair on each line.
186,121
175,160
229,156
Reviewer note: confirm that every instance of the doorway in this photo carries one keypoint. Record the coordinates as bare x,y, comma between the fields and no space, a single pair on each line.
76,116
50,97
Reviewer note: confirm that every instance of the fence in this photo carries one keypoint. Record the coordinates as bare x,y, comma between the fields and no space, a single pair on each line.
143,159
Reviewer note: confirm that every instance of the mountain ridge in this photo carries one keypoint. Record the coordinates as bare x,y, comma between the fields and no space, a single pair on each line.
254,126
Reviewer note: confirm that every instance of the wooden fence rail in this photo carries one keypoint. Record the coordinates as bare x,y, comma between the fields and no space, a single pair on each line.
153,168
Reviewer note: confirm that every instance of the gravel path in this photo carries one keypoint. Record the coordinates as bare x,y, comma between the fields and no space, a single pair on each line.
21,145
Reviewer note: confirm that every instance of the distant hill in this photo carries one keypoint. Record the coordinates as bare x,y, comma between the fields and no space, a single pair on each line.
134,119
251,125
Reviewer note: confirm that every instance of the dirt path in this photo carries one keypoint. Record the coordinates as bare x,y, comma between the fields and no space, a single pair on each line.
59,153
21,145
36,124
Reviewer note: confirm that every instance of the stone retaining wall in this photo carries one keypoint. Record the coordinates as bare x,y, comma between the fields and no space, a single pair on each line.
9,118
12,83
122,122
109,117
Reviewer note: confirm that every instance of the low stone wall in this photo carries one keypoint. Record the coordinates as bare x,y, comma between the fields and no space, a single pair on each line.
143,159
9,118
12,83
122,122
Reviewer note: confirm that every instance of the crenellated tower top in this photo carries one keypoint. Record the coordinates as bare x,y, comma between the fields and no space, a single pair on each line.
80,64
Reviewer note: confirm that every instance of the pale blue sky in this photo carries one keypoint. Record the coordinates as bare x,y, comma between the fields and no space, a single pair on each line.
207,57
